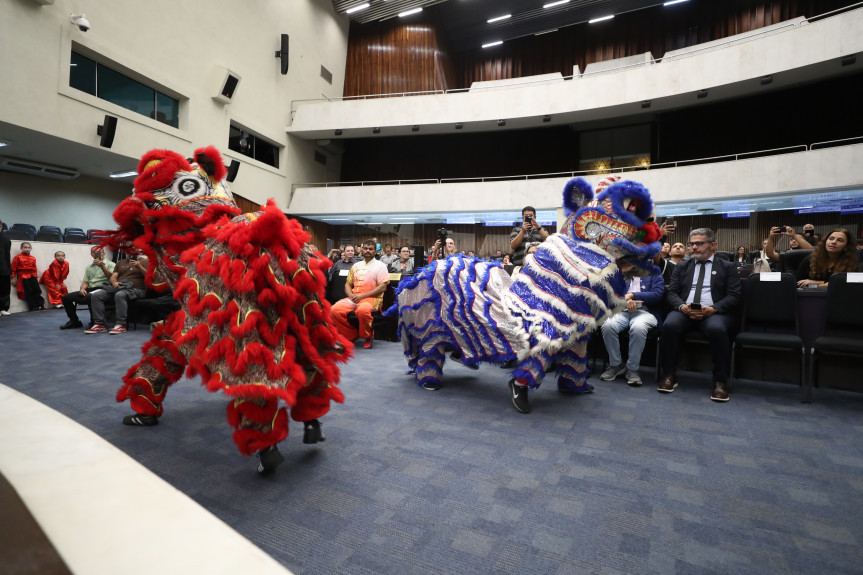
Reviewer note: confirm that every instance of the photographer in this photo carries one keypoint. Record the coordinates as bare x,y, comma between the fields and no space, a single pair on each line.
775,233
443,239
529,232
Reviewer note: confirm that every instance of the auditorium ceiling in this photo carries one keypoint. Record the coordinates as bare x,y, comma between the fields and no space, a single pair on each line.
467,21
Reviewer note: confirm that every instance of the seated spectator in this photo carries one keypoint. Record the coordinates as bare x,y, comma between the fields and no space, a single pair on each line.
24,267
530,249
54,277
96,275
741,258
643,311
388,256
126,284
498,255
666,267
677,253
471,254
335,255
809,233
436,253
665,251
705,301
507,261
836,254
367,281
344,264
404,264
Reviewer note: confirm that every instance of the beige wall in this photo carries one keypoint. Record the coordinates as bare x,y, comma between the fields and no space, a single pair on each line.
183,48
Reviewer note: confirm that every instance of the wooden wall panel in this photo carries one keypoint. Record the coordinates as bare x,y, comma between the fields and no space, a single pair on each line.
392,57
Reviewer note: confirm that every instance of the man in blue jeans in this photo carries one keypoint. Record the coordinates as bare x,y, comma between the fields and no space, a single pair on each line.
643,311
127,284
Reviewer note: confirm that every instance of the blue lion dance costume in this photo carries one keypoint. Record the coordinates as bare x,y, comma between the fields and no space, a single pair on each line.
544,314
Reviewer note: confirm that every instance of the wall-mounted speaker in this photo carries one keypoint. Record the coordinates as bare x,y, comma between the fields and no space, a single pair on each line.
233,168
282,54
106,131
228,84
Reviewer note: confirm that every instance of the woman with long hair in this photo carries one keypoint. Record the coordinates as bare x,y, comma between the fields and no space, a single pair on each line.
836,254
740,256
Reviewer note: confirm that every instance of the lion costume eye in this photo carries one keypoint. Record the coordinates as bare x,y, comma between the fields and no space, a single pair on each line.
187,187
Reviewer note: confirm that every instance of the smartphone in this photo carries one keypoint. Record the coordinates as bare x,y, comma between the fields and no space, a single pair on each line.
695,306
669,221
528,218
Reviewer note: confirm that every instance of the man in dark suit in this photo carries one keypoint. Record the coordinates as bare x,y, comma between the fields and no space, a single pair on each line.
703,295
5,272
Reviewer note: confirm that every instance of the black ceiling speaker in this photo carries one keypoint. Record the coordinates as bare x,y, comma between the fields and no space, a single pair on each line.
283,54
233,168
106,131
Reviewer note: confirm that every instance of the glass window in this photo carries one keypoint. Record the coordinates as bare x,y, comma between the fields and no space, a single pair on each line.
243,142
89,76
82,74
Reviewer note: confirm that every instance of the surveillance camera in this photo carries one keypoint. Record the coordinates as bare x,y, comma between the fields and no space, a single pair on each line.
80,20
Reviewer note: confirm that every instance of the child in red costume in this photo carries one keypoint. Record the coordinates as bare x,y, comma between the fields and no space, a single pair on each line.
54,277
253,320
24,267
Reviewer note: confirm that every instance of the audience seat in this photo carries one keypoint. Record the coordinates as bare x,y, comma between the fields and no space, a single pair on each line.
74,231
75,238
789,261
17,235
29,229
727,256
649,357
48,236
770,322
843,328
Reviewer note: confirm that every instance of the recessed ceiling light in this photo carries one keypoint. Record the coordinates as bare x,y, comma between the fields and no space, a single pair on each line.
499,18
601,19
670,2
126,174
490,44
4,142
357,8
558,3
409,12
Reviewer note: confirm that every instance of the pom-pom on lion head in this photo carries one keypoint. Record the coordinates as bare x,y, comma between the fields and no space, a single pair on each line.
620,219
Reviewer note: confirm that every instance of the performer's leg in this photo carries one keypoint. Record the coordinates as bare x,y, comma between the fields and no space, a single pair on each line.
572,369
146,383
429,367
339,314
259,425
528,375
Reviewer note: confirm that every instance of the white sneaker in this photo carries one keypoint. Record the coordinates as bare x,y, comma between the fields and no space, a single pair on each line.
4,312
633,378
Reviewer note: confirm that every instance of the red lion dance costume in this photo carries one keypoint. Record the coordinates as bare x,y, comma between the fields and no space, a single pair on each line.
253,320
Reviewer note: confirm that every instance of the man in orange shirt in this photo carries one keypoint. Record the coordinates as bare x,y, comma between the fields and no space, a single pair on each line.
367,281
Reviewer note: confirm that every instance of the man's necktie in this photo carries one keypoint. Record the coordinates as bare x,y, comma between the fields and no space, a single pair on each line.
700,284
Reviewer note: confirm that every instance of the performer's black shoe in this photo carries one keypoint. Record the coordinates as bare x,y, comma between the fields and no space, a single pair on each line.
312,432
140,420
519,396
270,459
72,324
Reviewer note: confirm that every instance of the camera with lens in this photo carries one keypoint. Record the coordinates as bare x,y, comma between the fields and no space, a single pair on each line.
442,235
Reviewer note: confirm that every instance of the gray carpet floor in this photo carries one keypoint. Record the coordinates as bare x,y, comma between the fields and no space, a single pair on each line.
625,480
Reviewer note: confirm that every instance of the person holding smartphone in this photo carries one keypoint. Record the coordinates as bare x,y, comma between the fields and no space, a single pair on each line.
703,294
521,236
